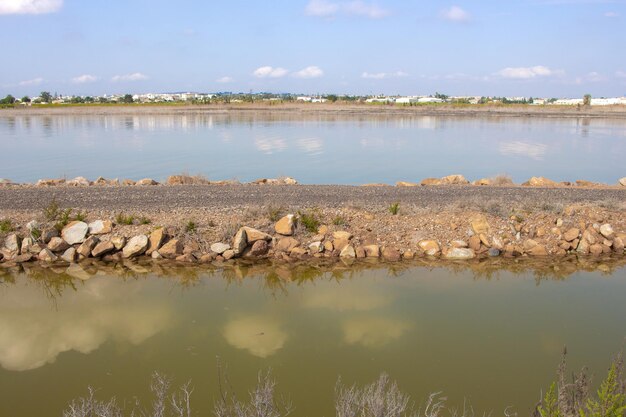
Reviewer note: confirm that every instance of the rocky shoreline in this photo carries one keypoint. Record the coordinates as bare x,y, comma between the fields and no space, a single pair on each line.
382,228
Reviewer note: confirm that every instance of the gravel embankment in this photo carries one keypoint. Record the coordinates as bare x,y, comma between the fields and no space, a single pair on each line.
223,196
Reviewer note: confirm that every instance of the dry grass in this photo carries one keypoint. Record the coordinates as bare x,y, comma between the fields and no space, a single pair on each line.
502,180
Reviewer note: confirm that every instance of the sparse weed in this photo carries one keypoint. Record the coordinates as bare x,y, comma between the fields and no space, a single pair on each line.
51,211
80,216
35,233
310,221
275,213
339,221
144,220
394,209
191,226
121,218
502,180
6,226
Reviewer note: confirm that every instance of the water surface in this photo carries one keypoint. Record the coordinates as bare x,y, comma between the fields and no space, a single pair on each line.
492,338
315,149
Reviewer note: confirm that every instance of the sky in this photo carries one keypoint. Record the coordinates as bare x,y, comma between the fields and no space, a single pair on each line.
539,48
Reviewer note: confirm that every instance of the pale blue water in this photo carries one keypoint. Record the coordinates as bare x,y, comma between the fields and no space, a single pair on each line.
312,149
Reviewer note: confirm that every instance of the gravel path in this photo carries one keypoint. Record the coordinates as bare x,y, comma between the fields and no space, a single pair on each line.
219,196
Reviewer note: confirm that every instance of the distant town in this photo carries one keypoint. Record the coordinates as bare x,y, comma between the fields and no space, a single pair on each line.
229,97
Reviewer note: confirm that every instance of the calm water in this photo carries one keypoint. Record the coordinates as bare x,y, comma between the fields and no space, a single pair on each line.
313,149
495,341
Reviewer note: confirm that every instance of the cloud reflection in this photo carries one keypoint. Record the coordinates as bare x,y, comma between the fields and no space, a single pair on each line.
261,336
373,332
534,151
31,335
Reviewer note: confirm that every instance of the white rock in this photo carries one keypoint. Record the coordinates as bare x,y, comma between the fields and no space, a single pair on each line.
136,246
100,227
219,247
606,230
460,253
75,232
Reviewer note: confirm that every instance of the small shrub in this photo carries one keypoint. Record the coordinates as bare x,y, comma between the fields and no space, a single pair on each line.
144,220
121,218
6,226
275,213
80,216
502,179
191,226
310,221
394,208
51,211
339,221
35,233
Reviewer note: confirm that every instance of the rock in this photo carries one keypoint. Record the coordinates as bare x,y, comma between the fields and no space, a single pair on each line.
240,241
187,258
35,248
87,246
606,230
229,254
538,250
540,182
622,182
288,181
339,244
459,244
172,249
47,256
409,254
48,234
429,247
430,181
322,230
156,240
49,182
259,248
23,258
156,255
391,254
286,226
207,258
585,183
119,242
371,251
57,244
497,243
5,181
100,227
483,182
102,249
70,255
571,234
460,253
360,252
583,247
479,224
474,243
32,225
78,182
342,235
484,239
27,243
455,179
12,243
316,247
618,245
590,236
406,184
596,249
146,181
75,232
348,252
529,244
219,247
298,252
329,246
252,235
493,252
128,182
286,244
136,246
559,222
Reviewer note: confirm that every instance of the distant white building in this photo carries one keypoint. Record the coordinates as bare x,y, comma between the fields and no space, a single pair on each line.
429,100
406,100
304,98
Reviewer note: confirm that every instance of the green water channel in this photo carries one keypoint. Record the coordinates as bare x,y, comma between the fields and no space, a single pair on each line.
490,337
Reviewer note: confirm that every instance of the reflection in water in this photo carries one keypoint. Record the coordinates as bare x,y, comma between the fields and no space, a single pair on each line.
262,336
32,336
360,148
356,298
373,332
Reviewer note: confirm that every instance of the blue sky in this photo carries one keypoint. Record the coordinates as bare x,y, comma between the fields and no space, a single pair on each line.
563,48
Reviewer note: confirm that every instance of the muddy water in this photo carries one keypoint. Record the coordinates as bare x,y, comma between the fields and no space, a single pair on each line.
315,149
490,335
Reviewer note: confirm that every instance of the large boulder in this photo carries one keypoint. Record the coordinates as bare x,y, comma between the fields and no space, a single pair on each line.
286,226
87,246
69,255
78,182
12,243
571,234
372,251
240,242
607,231
252,235
286,244
391,254
46,255
100,227
136,246
622,182
156,240
429,247
460,253
540,182
259,248
406,184
75,232
431,181
348,252
220,247
455,179
146,181
57,244
102,249
479,224
172,249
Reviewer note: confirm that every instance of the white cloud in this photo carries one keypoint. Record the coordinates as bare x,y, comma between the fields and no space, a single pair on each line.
225,80
321,8
261,336
373,332
525,73
34,81
309,72
85,78
270,72
620,74
383,75
455,14
595,77
136,76
329,9
29,6
530,150
611,14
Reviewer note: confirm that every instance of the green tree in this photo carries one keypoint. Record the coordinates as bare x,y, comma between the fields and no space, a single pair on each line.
9,99
587,100
46,97
25,99
128,98
332,98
